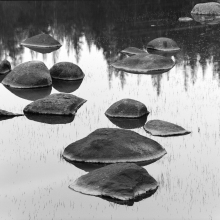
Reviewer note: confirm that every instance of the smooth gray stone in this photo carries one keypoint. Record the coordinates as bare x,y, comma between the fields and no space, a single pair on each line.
119,181
55,104
31,74
113,145
133,51
144,64
208,8
164,129
42,43
4,115
66,71
5,67
185,19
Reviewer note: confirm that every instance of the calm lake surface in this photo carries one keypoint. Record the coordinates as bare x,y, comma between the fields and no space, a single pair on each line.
34,179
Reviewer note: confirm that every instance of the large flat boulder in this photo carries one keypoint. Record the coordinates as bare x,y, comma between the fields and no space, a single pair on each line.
144,64
113,145
55,104
5,67
208,8
42,43
31,74
164,128
119,181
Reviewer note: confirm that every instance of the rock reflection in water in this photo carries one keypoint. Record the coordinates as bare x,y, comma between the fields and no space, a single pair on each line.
207,19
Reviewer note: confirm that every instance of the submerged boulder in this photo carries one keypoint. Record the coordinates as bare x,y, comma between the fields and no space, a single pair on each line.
42,43
163,44
145,64
55,104
7,115
164,128
127,108
5,67
133,51
113,145
31,74
119,181
208,8
66,71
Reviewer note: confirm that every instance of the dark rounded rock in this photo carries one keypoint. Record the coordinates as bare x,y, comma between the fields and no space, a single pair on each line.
113,145
163,44
31,74
120,181
208,8
55,104
66,71
133,51
127,108
5,67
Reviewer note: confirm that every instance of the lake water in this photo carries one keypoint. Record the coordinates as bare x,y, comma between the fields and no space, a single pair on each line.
34,179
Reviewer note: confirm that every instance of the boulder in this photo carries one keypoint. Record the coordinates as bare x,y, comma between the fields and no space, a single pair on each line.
127,108
208,8
133,51
7,115
5,67
119,181
66,71
42,43
163,44
55,104
31,74
113,145
145,64
164,128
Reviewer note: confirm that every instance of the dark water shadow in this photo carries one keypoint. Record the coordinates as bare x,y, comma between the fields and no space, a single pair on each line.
50,119
66,86
3,118
129,123
31,94
42,50
163,53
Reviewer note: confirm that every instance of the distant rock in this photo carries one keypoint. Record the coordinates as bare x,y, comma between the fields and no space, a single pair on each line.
66,71
185,19
42,43
31,74
164,129
133,51
163,44
5,67
119,181
55,104
7,115
145,64
113,145
207,19
127,108
208,8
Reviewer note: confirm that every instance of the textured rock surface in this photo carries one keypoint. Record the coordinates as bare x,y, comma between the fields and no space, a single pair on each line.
133,51
66,71
164,129
121,181
208,8
42,43
112,145
127,108
144,63
163,44
6,115
55,104
31,74
5,67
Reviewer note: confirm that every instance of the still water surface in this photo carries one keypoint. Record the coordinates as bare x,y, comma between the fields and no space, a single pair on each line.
35,179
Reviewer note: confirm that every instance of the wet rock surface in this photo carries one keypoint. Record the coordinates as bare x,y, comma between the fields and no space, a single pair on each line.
42,43
127,108
55,104
7,115
66,71
164,129
119,181
144,64
31,74
133,51
5,67
112,145
208,8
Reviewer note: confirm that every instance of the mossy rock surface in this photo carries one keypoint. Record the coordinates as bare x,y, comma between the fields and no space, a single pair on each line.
208,8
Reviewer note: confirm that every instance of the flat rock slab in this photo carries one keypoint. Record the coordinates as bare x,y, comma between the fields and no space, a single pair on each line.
127,108
31,74
163,44
55,104
164,128
113,145
133,51
6,115
120,181
144,64
5,67
42,43
208,8
66,71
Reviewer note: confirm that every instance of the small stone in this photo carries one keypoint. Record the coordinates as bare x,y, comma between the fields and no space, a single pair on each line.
5,67
208,8
133,51
185,19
